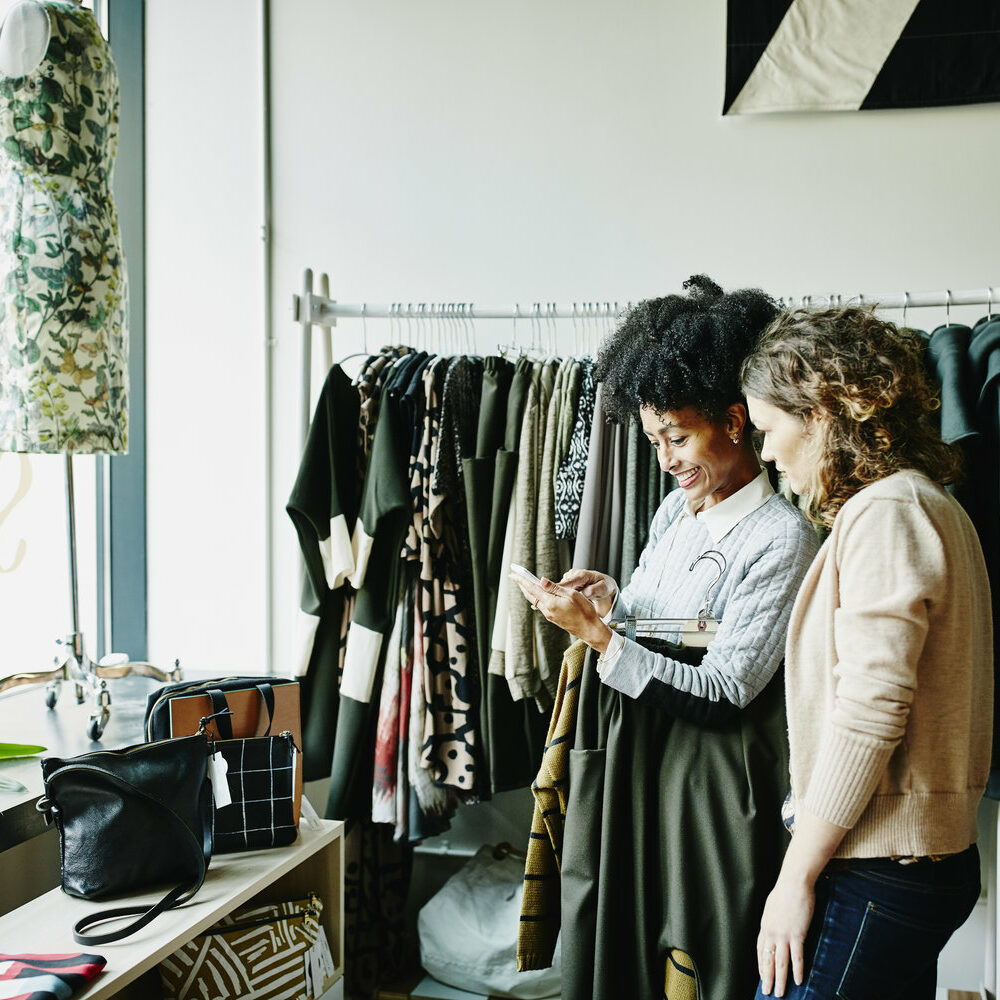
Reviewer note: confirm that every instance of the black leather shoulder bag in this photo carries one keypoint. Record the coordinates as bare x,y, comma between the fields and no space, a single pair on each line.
129,819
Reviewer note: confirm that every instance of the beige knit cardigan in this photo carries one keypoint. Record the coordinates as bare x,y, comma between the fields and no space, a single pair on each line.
889,673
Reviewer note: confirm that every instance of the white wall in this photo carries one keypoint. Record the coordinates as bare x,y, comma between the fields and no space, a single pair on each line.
455,150
493,153
575,150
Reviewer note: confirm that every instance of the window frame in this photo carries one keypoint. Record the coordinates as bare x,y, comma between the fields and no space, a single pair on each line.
121,479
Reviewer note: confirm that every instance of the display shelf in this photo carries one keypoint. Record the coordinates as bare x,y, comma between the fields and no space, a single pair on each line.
314,863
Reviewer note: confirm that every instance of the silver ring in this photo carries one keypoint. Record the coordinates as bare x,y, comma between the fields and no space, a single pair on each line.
768,951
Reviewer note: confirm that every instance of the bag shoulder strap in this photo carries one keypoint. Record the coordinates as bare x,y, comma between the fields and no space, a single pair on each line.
175,897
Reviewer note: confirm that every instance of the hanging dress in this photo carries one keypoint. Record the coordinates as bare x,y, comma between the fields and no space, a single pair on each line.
63,325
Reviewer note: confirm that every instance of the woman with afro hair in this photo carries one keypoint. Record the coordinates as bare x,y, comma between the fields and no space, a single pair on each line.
725,541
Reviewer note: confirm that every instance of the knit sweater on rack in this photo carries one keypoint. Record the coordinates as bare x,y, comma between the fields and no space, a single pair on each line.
889,674
767,546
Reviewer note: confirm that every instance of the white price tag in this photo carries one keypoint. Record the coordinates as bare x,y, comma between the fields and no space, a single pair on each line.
217,770
315,971
326,958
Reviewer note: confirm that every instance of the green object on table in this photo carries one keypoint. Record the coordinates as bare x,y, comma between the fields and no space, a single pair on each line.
19,750
10,750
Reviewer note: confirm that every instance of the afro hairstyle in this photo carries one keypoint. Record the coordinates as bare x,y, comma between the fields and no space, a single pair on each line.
682,350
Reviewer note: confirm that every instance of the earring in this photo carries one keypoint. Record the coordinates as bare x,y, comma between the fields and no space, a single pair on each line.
736,439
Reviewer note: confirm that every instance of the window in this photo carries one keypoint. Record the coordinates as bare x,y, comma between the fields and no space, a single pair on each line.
34,557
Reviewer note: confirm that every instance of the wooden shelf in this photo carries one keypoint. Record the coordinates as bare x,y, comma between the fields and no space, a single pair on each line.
314,863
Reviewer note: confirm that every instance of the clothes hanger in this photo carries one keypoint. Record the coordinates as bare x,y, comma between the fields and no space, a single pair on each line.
532,352
505,350
546,329
445,336
448,332
601,319
455,328
364,353
473,328
987,320
461,333
422,337
696,632
455,318
616,318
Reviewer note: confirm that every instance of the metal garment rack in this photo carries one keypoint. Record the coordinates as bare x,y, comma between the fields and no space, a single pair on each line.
317,309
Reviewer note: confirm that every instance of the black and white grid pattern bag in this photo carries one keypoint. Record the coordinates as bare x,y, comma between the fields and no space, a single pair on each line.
253,782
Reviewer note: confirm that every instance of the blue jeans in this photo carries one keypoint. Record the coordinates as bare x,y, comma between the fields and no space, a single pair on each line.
879,927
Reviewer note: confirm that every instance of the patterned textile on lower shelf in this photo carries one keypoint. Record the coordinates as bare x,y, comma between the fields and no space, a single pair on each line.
45,976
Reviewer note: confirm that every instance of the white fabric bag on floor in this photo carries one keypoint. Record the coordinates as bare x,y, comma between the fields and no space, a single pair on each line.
468,931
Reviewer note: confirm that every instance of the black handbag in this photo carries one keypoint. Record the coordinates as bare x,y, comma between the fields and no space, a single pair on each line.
129,819
259,783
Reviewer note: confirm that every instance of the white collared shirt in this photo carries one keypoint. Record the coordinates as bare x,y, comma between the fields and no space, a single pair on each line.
722,517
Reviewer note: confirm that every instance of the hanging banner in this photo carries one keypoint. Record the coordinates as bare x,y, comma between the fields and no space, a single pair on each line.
851,55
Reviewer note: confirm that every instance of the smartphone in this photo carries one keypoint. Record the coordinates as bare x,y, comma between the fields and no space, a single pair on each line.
526,573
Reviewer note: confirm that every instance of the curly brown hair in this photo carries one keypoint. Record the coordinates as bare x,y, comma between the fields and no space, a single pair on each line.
863,380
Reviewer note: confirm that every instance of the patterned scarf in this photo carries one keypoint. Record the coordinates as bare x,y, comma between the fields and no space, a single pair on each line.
48,976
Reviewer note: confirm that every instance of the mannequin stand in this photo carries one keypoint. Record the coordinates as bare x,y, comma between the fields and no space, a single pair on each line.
90,679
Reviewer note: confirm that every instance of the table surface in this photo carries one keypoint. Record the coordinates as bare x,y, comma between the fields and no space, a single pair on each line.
63,731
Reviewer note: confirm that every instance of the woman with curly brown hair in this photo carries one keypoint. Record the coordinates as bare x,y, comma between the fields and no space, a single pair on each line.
888,666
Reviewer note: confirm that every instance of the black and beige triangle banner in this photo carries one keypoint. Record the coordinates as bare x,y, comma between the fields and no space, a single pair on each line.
850,55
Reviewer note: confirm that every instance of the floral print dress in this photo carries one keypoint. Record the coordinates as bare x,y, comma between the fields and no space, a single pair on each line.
63,290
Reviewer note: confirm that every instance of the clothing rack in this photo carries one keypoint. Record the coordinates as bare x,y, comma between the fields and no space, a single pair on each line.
320,310
316,308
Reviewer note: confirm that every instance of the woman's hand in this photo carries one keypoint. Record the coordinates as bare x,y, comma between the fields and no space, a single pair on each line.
599,588
789,908
783,927
567,608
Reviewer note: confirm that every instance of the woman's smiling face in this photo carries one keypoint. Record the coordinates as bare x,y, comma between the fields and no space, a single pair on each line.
700,453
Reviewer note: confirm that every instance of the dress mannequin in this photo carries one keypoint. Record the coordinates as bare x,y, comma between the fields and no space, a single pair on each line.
63,290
